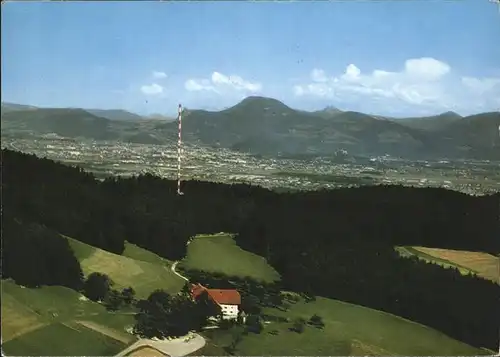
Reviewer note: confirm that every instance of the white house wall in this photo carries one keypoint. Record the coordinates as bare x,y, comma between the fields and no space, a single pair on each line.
229,311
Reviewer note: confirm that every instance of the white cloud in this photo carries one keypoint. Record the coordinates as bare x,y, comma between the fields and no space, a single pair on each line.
351,73
152,89
426,83
318,75
481,85
220,83
298,90
159,75
426,68
193,85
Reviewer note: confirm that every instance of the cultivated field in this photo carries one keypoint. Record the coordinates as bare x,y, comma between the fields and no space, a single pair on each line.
219,253
349,330
483,264
58,321
24,309
145,272
63,339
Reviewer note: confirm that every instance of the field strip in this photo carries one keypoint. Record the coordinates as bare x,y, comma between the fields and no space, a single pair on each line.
371,349
18,318
483,264
25,330
68,325
433,255
433,258
106,331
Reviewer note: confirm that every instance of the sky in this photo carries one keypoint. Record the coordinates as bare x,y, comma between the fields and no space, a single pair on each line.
398,58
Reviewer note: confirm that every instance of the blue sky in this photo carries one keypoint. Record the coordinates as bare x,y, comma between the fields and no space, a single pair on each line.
386,57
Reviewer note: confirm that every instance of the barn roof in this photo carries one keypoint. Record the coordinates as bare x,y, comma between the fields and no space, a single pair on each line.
196,290
225,296
220,296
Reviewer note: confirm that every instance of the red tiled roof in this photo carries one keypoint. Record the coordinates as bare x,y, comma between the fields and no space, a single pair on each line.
196,290
220,296
225,296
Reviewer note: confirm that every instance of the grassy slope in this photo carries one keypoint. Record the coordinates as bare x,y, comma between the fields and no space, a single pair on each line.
219,253
350,329
62,339
44,321
24,307
35,316
138,253
145,272
57,321
483,264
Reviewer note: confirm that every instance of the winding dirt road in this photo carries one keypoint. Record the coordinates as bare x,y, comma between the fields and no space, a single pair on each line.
177,347
174,265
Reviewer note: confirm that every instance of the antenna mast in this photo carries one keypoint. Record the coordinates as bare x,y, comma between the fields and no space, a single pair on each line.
179,152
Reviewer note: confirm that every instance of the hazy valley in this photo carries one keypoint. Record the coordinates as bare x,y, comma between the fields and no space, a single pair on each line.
262,141
264,126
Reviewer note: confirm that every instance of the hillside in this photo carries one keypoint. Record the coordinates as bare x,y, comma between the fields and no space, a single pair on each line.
328,112
266,126
115,114
349,330
431,123
111,114
11,107
64,122
143,138
475,135
58,321
220,254
262,119
156,116
114,125
54,321
143,276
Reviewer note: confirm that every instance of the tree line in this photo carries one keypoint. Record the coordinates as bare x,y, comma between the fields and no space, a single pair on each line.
334,243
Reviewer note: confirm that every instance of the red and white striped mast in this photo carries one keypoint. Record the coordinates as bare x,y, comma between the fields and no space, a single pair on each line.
179,151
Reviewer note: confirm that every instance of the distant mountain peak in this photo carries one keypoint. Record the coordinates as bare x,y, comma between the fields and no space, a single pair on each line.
259,99
451,113
258,102
252,98
331,108
327,112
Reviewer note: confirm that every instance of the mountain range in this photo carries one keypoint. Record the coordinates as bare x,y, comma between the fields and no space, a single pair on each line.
266,126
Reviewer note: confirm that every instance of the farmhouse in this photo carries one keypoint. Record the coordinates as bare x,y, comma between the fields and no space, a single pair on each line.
229,300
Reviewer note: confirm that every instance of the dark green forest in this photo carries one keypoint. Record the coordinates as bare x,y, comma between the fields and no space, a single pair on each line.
337,243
